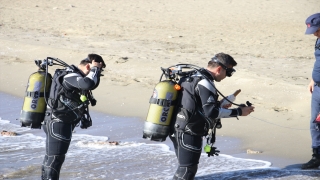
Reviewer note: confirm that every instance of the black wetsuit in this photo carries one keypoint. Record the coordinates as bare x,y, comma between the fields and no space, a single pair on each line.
197,113
59,124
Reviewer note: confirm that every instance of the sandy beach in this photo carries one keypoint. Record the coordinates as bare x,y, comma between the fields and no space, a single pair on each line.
136,38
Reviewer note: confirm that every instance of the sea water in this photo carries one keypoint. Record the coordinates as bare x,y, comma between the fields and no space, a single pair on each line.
92,156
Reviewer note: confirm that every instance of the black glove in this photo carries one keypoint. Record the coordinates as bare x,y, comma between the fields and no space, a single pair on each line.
213,151
92,100
86,121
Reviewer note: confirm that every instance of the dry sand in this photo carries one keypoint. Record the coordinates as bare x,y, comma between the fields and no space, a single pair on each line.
136,38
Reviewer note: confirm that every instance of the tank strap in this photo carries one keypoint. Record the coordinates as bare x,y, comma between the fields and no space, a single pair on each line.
162,102
35,94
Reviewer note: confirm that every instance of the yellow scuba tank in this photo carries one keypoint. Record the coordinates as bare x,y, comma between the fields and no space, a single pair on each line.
34,105
157,124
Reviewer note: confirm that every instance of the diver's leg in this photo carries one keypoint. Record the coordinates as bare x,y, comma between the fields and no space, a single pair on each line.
188,153
57,144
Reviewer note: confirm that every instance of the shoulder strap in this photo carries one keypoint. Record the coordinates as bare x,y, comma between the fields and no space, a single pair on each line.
56,87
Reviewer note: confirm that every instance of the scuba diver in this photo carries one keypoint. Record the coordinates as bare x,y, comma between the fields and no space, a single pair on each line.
67,106
199,111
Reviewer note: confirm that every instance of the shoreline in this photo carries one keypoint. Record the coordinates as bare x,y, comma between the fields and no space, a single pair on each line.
228,145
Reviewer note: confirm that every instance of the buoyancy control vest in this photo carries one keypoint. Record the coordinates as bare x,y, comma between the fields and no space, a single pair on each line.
64,104
190,117
170,103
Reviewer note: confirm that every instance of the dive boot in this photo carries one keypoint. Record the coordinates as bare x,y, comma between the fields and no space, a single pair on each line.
314,162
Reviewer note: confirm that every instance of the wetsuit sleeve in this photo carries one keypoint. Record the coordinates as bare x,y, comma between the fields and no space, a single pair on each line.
76,80
210,106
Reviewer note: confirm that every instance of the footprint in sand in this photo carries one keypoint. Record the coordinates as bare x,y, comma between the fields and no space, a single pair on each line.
122,60
279,109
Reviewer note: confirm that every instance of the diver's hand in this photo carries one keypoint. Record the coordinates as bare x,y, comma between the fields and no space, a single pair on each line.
226,106
311,86
246,110
96,64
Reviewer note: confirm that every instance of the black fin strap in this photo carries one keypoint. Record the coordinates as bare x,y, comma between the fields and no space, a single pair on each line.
36,94
162,102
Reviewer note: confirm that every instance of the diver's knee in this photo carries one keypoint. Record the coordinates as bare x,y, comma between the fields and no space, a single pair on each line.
186,173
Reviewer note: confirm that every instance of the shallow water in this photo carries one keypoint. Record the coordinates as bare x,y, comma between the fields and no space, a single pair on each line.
90,157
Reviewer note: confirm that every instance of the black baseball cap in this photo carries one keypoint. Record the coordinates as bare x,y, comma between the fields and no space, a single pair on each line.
313,23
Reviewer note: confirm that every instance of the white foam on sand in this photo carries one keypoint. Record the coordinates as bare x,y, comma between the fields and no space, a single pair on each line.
23,140
93,157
